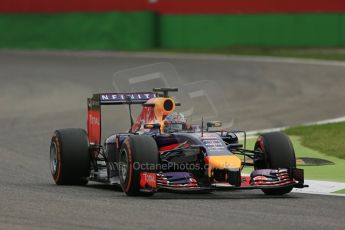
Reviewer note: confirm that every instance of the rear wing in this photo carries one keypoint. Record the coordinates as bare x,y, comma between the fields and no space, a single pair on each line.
95,103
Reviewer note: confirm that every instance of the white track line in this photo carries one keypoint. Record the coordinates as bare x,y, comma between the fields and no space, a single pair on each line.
245,58
321,188
253,133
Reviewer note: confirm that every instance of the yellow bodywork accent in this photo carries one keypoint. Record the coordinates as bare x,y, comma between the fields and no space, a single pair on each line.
223,162
159,106
159,110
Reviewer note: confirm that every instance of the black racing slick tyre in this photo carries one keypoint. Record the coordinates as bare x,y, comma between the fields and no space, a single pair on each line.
69,157
136,153
277,152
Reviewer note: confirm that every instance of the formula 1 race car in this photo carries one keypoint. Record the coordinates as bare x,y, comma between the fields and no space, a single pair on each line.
162,152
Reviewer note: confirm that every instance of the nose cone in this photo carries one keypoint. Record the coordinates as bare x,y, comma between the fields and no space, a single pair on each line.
223,162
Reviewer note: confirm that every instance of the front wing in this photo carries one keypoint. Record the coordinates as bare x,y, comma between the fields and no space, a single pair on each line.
186,182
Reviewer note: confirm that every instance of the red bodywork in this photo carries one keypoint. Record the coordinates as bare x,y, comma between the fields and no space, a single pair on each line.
94,126
147,115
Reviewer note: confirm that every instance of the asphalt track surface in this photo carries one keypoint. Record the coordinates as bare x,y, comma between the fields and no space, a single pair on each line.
44,91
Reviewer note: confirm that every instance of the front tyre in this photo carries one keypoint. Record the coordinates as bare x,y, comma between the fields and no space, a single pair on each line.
69,157
277,152
136,153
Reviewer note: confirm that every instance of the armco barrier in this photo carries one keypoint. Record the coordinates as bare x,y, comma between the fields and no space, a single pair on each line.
210,31
78,30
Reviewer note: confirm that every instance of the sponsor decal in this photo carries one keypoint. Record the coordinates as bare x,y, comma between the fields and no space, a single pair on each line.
124,97
148,180
260,178
94,126
94,120
214,145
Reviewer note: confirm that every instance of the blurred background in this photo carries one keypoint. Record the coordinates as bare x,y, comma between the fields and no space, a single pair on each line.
171,24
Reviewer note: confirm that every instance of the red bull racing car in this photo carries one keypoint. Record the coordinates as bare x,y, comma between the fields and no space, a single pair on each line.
162,152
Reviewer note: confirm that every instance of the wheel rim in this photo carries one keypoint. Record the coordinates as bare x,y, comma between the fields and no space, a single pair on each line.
123,165
53,158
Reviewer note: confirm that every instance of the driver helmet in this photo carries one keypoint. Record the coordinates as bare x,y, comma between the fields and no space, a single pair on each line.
174,122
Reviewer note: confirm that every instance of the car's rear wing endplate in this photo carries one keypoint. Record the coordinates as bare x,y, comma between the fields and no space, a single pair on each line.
94,109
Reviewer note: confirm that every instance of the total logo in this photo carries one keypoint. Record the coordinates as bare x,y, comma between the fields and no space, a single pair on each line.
148,179
94,120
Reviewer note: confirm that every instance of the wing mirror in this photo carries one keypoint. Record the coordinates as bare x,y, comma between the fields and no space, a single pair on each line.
214,124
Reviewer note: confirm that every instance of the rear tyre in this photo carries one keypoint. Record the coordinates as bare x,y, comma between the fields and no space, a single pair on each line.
277,152
136,152
69,157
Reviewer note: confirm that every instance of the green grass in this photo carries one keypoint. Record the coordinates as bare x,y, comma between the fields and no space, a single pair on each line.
340,191
334,172
306,53
328,138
